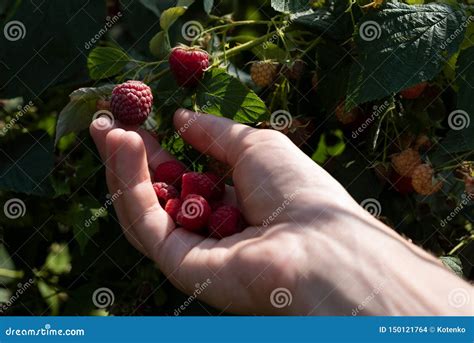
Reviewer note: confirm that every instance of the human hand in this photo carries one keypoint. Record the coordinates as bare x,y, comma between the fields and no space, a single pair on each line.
302,228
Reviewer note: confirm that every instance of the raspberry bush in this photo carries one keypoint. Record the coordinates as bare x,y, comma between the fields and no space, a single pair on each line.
342,79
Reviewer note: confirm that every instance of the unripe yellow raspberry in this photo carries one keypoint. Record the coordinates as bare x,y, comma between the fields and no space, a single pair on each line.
406,161
423,180
263,72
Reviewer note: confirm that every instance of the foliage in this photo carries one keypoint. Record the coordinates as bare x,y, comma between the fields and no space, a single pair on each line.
360,54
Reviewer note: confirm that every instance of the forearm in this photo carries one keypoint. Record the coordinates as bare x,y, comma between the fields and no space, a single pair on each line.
362,267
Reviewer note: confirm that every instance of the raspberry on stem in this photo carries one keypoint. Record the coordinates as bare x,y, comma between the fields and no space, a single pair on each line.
188,65
263,72
406,161
131,102
423,180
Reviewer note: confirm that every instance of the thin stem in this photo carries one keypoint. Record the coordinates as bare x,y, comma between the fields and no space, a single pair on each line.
12,274
158,75
461,245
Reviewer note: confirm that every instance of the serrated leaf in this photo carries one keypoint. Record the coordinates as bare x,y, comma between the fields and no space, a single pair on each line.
169,16
223,95
419,38
453,263
208,5
78,113
105,62
290,6
331,19
160,44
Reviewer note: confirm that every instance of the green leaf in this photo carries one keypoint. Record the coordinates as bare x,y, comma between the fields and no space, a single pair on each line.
27,163
170,16
208,5
78,113
290,6
269,51
223,95
331,19
105,62
50,296
401,46
453,263
160,44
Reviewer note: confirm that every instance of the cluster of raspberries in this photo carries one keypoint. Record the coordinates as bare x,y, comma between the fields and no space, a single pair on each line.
194,200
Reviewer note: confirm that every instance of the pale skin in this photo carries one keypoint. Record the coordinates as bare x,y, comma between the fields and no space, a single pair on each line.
332,256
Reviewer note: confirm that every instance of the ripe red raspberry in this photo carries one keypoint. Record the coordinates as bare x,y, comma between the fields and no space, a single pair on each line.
188,65
263,72
423,180
194,213
170,172
346,117
224,221
406,161
165,192
131,102
197,183
414,92
218,188
172,207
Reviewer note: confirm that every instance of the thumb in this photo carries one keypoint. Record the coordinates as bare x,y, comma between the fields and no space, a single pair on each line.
219,137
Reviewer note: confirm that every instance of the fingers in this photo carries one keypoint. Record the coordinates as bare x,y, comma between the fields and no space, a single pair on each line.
148,221
219,137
